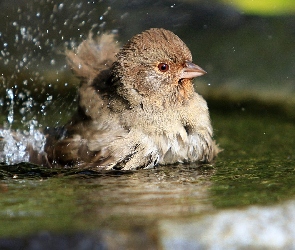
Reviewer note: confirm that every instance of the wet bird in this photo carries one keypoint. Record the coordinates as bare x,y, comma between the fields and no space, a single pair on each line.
137,106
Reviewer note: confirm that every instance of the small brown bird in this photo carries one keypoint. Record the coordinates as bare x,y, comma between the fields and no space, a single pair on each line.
137,106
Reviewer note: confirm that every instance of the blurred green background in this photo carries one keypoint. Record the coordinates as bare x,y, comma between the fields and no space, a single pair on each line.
264,7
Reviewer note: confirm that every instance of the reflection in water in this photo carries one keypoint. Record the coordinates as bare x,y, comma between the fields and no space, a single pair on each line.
165,191
75,200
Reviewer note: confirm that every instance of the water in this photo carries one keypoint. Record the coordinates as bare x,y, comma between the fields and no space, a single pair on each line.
73,200
14,144
258,167
254,127
66,201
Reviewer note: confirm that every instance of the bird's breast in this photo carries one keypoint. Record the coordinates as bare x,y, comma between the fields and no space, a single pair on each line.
167,133
178,147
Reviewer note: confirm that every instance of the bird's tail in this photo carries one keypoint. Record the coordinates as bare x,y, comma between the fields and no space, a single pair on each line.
93,55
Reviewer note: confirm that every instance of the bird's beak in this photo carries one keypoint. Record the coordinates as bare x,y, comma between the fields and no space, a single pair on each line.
191,70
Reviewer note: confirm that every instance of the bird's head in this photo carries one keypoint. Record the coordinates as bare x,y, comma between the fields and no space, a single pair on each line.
157,64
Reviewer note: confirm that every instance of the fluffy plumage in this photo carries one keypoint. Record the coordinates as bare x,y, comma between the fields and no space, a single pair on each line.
137,106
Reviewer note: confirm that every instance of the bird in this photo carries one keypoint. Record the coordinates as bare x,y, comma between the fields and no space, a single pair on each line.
137,106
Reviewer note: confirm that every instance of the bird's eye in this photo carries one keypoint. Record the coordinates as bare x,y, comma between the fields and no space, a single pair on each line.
163,67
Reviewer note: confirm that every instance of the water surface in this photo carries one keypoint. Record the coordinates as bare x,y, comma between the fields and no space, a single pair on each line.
256,167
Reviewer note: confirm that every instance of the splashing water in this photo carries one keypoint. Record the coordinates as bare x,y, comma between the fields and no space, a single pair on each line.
14,145
10,95
31,55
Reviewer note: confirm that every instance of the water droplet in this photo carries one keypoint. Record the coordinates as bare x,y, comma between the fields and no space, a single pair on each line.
49,98
10,96
102,24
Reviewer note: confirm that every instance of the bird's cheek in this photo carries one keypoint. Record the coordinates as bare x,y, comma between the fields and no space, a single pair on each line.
153,81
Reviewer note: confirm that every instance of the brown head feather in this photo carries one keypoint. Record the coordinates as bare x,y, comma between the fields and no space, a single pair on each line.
137,66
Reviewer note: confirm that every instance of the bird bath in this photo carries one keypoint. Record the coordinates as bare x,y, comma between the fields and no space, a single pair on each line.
74,207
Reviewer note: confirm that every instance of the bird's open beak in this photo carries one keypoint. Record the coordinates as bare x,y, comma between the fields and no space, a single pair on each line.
191,70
